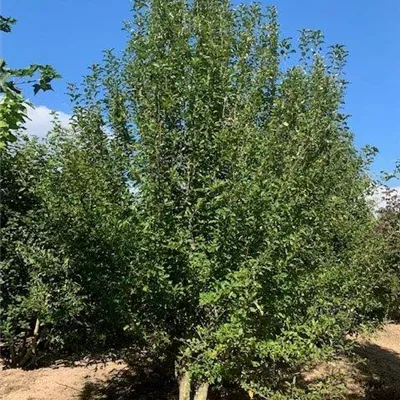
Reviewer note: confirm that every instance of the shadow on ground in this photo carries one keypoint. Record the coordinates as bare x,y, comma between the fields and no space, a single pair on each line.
378,375
147,384
381,369
137,384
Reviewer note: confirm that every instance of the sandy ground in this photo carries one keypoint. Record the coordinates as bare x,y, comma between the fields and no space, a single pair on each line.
377,378
62,383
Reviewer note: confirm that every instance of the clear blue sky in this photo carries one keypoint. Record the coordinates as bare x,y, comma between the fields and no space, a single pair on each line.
70,34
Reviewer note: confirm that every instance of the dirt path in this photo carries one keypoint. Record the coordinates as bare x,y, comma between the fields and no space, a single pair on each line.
378,378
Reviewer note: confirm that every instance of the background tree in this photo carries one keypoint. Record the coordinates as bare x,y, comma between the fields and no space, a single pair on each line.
65,241
388,230
19,171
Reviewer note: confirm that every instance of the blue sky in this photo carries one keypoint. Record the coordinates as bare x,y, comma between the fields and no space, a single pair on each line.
71,34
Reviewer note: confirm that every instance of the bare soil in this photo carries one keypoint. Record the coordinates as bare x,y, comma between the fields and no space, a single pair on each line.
55,383
377,377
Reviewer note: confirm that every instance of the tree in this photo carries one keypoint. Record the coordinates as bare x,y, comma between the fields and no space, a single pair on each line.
64,242
388,229
22,296
254,223
18,175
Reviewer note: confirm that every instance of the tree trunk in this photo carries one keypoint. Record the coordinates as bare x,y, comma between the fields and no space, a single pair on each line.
201,392
184,387
13,355
32,349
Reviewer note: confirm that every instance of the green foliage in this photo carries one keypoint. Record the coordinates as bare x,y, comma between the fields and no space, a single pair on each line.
389,230
13,106
6,23
256,233
64,243
206,201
